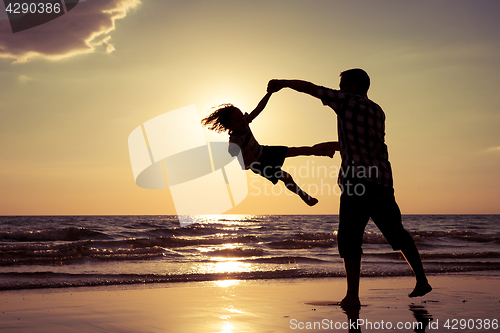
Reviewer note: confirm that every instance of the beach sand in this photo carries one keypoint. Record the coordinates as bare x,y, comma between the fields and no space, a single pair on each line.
286,305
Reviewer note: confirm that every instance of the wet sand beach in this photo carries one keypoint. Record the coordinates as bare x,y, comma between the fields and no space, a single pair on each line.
284,305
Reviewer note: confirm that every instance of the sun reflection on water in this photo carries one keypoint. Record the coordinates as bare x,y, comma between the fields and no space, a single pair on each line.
228,326
225,266
226,283
229,219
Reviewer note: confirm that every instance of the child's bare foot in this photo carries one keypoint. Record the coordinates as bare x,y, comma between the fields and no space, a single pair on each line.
350,301
310,201
420,289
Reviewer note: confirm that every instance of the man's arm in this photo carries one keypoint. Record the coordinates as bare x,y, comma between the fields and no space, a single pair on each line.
262,104
297,85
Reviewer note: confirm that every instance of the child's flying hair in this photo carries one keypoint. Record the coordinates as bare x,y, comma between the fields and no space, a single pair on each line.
220,119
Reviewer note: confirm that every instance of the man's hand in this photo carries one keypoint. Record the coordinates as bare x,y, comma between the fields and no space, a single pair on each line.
297,85
274,86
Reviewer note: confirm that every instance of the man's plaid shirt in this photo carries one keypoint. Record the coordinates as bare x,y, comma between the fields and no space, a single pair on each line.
361,131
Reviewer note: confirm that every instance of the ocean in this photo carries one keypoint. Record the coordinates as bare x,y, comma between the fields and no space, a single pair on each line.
72,251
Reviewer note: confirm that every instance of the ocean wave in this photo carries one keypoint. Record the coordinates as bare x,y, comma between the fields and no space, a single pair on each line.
61,253
465,255
421,236
316,236
125,249
176,242
236,252
456,234
373,238
285,260
442,255
110,246
302,243
39,280
51,235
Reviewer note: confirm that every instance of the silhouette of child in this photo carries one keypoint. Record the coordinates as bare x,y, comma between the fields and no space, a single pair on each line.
263,160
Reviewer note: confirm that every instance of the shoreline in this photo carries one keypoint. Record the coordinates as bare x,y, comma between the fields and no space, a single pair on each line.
52,281
283,305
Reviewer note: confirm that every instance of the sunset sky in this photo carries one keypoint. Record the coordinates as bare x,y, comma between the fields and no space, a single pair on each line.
73,89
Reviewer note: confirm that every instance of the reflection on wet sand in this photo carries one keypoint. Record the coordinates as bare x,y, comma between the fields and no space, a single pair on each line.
422,316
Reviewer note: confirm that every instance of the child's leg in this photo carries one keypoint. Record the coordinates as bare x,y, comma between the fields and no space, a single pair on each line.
320,149
290,184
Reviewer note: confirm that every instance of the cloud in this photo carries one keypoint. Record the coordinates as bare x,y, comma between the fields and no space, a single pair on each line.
3,12
24,79
79,31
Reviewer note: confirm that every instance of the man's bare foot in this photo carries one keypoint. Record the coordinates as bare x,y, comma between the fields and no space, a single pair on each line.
420,289
350,301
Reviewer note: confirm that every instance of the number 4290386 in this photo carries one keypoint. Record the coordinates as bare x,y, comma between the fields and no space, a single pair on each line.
33,8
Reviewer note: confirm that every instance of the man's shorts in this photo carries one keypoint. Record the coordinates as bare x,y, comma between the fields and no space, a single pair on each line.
360,201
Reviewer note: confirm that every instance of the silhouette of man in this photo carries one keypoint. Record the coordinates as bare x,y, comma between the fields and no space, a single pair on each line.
365,177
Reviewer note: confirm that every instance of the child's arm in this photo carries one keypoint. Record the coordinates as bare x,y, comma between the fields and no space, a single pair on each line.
335,145
262,104
327,148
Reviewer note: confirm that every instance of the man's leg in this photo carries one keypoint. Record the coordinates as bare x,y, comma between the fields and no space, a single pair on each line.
352,268
353,217
410,252
387,217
